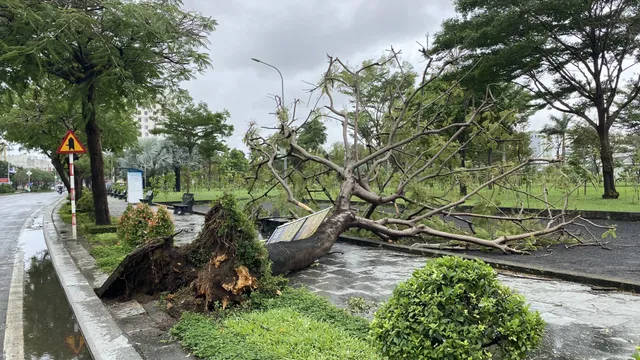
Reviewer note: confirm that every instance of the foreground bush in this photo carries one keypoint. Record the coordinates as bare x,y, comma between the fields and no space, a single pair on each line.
139,224
455,309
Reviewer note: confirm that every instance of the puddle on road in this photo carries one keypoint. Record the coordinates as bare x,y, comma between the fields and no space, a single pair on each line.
50,329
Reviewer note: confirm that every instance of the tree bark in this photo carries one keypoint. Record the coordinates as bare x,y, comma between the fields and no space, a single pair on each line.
490,161
606,157
78,178
188,174
296,255
94,145
176,172
62,171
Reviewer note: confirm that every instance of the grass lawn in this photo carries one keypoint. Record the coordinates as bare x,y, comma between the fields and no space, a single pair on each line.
578,200
297,325
199,195
592,200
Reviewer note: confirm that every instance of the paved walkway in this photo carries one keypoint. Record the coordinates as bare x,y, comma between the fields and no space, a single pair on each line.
582,324
621,262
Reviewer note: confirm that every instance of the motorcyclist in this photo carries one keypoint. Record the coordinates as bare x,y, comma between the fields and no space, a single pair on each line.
60,189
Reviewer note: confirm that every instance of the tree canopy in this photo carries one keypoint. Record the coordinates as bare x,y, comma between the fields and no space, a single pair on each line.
110,54
188,125
573,56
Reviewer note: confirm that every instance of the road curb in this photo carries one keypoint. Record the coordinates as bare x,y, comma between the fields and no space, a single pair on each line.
504,265
567,275
105,340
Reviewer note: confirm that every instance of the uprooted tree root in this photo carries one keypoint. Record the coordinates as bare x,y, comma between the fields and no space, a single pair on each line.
221,265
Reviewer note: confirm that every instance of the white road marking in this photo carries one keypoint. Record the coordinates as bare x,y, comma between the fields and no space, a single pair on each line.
14,332
13,335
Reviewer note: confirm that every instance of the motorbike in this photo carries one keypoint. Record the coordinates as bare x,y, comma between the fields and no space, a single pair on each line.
60,189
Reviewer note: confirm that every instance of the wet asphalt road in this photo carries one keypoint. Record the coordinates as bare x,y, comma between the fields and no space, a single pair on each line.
14,211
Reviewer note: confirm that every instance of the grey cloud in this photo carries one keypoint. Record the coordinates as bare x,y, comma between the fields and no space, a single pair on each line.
295,36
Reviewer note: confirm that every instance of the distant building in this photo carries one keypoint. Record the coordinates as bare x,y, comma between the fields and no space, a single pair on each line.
29,161
147,119
541,146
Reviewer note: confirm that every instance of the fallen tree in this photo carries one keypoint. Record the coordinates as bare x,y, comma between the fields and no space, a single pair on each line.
410,140
394,146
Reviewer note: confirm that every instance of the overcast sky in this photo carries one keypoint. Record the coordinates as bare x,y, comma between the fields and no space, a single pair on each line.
296,36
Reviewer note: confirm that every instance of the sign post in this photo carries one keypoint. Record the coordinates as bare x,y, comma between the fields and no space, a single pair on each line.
71,145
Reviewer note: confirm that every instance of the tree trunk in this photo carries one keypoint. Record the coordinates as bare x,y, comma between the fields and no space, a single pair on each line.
463,164
94,145
490,161
296,255
564,148
176,172
463,161
62,171
78,182
606,157
209,177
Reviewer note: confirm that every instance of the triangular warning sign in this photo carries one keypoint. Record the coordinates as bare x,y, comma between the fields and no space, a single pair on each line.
71,145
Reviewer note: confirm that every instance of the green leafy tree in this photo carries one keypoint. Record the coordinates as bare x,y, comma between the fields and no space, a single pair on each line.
150,155
110,54
584,148
188,125
559,127
234,165
210,154
571,55
38,119
313,135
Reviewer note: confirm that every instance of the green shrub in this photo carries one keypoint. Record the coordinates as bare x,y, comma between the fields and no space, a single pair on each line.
161,226
455,309
6,189
139,224
85,204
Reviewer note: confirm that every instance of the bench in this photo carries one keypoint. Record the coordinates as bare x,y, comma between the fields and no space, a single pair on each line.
122,195
148,199
185,206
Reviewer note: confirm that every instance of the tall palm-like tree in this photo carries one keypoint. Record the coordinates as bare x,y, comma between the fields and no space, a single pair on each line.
149,155
559,127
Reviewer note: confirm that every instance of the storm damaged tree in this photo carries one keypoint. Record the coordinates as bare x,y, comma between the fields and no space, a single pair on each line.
111,54
416,146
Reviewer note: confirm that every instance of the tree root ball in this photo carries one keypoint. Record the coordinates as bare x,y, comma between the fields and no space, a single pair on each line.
223,264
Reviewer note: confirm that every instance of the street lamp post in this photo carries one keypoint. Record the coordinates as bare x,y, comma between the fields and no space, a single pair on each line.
281,78
282,99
